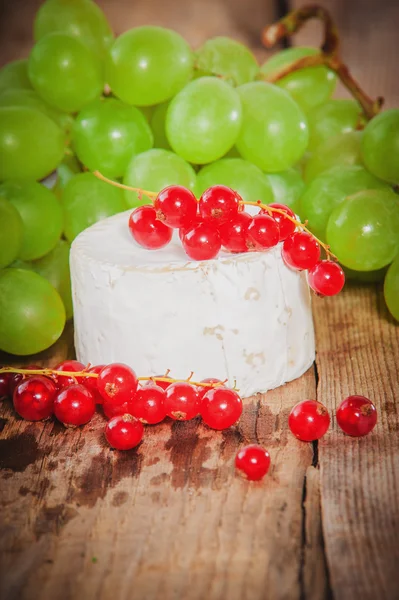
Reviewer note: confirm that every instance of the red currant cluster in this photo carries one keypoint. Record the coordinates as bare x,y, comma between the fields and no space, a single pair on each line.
218,220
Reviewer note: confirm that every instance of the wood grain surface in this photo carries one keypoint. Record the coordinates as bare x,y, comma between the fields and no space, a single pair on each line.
171,519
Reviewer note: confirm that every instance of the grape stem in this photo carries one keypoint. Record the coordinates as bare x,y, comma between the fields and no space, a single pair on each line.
139,191
85,373
329,53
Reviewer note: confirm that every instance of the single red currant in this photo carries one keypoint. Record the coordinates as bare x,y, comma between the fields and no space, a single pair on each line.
263,233
4,385
202,242
326,278
66,380
91,383
286,226
234,233
221,408
149,404
301,251
176,206
147,230
16,378
356,416
253,462
124,432
309,420
219,203
117,383
74,405
201,390
34,398
181,401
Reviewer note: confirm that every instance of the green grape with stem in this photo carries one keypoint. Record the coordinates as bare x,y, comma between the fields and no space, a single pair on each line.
148,65
332,118
41,215
287,187
107,133
238,174
55,268
380,146
86,200
341,150
153,171
31,144
228,59
11,233
274,133
391,288
204,120
310,86
64,72
363,231
158,126
32,315
329,190
14,75
82,19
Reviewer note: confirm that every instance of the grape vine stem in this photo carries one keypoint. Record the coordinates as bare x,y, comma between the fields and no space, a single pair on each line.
329,53
139,191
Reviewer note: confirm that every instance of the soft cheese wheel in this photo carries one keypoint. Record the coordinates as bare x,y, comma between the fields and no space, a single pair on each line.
245,317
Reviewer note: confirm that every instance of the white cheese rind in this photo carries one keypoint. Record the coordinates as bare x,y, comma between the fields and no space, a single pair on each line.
246,318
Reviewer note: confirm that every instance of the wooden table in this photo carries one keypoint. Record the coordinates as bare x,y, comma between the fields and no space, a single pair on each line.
171,519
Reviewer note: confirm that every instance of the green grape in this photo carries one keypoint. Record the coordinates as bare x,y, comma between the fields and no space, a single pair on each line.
227,58
329,190
363,231
41,214
330,119
20,97
391,289
310,86
11,232
274,134
204,120
154,170
380,146
55,268
238,174
342,149
148,65
107,133
81,18
158,126
32,315
31,144
287,188
64,72
87,200
365,276
14,75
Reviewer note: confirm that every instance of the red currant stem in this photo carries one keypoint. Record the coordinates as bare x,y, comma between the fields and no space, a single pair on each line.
329,55
125,187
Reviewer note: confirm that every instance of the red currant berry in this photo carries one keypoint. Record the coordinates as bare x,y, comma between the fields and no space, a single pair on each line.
253,461
219,203
117,383
202,242
34,398
149,405
74,405
4,385
286,226
201,390
181,401
124,432
221,408
147,230
233,234
16,378
326,278
263,233
91,383
176,206
309,420
357,416
66,380
301,251
112,409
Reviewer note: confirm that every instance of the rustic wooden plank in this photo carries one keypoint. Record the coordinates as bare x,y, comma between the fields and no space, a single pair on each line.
358,353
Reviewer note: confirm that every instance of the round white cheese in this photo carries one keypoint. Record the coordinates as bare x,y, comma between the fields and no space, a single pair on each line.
242,317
